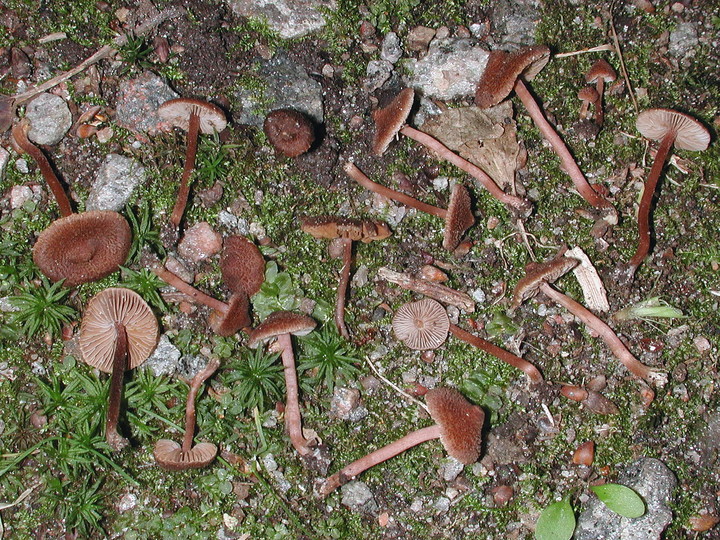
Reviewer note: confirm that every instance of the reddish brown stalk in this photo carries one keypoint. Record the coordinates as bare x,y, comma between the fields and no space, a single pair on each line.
523,365
476,172
197,382
607,334
184,190
293,419
350,471
114,439
343,288
200,297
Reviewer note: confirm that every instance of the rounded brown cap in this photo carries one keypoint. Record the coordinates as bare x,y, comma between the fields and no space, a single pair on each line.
98,331
460,423
83,247
459,217
421,325
242,265
689,133
169,455
290,132
177,112
504,68
589,94
390,119
601,70
279,323
235,318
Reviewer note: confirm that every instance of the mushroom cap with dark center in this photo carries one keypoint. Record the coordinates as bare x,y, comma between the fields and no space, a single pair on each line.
98,334
601,70
421,325
169,455
177,112
460,423
83,247
279,323
390,119
690,134
235,318
289,131
242,265
504,68
459,217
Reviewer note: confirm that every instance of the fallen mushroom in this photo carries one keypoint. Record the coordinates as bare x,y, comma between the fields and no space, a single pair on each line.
458,425
282,325
194,116
118,332
458,216
289,131
174,457
504,73
347,230
671,128
600,73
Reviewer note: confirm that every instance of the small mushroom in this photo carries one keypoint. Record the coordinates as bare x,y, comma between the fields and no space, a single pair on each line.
289,131
600,73
584,454
118,332
282,325
347,230
174,457
458,425
194,116
458,216
588,96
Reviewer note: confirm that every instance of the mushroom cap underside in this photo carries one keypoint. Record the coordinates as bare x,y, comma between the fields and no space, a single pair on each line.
177,112
169,455
460,423
690,134
421,325
459,217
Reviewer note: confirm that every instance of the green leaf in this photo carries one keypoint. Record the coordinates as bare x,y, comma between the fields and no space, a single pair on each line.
620,499
556,521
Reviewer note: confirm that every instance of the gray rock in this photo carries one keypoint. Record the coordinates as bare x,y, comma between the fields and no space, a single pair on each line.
346,405
4,159
654,482
450,469
138,101
289,18
165,359
114,183
358,497
514,22
450,69
391,50
683,40
377,73
284,84
49,118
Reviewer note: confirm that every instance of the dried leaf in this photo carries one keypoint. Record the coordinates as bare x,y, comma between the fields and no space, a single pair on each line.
589,280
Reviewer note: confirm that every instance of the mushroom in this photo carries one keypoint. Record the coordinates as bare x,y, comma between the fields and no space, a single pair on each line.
600,73
282,325
588,96
346,230
458,425
458,216
289,131
174,457
118,332
390,120
194,116
425,324
504,72
85,247
671,128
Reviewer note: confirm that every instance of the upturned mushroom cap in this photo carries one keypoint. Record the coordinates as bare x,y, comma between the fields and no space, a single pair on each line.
538,273
504,68
279,323
459,217
83,247
177,113
97,330
290,132
169,455
460,423
690,134
242,265
421,325
601,70
390,119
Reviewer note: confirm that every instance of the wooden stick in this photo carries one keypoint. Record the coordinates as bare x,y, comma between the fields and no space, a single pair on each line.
438,292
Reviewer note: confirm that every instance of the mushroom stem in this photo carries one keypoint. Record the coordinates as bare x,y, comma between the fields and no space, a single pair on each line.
520,363
190,153
195,385
607,334
568,162
378,456
171,279
293,420
646,201
116,441
343,288
356,174
476,172
599,112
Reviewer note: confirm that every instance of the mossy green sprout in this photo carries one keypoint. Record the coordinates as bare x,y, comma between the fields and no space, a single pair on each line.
41,309
144,234
254,379
326,358
146,283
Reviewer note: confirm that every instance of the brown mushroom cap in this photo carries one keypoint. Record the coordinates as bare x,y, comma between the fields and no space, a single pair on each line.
460,423
83,247
177,112
330,227
235,318
390,119
289,131
421,325
242,265
589,94
503,69
169,455
601,70
98,332
279,323
690,134
538,273
459,217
